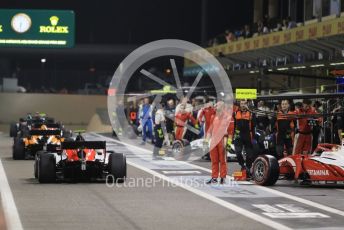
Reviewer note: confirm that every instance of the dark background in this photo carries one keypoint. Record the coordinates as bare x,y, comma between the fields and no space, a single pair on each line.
142,21
125,24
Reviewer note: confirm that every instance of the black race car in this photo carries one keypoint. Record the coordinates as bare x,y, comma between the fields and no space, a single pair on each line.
80,160
21,128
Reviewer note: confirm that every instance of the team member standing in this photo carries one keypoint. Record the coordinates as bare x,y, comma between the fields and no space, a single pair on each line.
206,113
187,106
303,138
244,122
159,121
146,120
181,119
285,129
218,132
170,110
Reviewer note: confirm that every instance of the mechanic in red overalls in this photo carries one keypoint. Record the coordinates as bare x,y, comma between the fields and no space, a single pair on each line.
181,119
285,125
219,132
207,112
303,138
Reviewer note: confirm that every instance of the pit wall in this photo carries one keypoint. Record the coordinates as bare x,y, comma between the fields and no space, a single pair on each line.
69,109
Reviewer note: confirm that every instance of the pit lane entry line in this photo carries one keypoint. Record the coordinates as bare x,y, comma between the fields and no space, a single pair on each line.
10,209
282,194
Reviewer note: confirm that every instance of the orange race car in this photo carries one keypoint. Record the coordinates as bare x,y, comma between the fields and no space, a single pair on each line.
36,139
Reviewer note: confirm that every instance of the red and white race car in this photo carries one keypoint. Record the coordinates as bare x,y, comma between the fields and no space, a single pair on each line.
324,166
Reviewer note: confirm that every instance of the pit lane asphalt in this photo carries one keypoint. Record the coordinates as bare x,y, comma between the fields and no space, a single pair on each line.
332,196
297,203
95,206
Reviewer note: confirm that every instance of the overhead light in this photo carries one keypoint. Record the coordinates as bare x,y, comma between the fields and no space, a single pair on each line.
252,71
337,63
167,71
270,70
318,65
43,60
281,69
299,67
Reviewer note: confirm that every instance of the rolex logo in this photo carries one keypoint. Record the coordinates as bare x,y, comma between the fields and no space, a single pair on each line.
54,20
54,29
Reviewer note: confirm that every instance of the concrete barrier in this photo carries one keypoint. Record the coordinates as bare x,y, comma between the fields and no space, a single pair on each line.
96,125
69,109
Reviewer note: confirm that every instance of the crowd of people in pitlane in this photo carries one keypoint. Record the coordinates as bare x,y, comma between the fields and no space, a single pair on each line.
254,128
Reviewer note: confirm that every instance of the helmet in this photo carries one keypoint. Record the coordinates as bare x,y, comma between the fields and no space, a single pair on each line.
79,138
29,116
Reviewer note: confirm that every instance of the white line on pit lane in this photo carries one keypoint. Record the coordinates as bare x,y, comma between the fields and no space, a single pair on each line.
216,200
285,195
10,210
207,196
181,172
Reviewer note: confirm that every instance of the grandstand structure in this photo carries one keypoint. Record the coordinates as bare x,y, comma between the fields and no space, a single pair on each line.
307,58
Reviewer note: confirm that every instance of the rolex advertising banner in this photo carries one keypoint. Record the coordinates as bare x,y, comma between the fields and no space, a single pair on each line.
37,28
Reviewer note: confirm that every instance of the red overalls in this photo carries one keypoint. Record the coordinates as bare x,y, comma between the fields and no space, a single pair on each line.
218,131
181,121
207,113
303,140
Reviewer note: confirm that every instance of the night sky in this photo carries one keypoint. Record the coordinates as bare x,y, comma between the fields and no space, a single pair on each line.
142,21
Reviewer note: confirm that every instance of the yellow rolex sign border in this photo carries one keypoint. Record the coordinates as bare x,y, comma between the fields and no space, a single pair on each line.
246,94
37,28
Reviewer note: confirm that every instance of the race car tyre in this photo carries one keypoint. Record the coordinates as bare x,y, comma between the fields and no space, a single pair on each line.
18,149
178,149
118,167
265,170
13,130
46,168
181,149
35,166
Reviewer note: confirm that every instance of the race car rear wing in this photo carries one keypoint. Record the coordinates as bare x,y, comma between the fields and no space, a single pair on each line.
41,119
83,145
37,132
49,125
